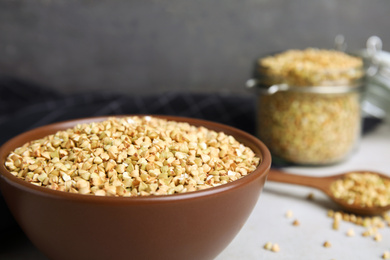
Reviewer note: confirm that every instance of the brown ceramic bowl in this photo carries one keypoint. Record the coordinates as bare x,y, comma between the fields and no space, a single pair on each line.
194,225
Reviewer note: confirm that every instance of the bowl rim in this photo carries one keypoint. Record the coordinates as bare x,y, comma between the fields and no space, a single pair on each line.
240,135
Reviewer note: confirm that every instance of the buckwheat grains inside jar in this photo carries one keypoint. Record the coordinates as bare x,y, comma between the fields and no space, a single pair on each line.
314,116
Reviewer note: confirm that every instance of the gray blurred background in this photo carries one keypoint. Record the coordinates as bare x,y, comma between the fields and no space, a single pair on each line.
144,46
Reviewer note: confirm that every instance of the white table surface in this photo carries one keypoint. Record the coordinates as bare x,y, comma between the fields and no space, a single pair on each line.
268,221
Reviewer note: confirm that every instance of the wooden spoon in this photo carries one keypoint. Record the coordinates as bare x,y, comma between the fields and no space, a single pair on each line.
323,184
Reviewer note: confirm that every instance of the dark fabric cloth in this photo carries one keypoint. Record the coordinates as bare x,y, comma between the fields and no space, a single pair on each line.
24,107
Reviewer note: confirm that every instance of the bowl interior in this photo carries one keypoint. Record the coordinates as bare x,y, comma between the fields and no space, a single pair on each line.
252,142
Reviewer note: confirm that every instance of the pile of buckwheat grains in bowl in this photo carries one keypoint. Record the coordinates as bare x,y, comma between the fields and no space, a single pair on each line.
310,128
132,156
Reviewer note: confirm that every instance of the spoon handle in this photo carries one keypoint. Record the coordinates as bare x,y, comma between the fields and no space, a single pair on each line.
321,183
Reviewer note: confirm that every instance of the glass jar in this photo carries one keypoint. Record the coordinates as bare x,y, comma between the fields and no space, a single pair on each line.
309,116
376,101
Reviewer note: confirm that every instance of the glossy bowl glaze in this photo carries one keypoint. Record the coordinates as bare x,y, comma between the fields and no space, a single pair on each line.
195,225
